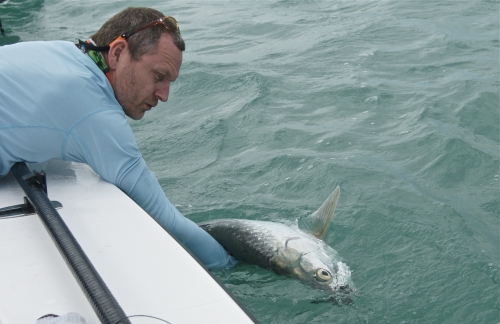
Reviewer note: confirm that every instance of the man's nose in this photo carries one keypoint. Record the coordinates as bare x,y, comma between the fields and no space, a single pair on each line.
162,91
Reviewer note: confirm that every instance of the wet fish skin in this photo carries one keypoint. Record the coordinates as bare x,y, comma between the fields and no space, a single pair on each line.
246,240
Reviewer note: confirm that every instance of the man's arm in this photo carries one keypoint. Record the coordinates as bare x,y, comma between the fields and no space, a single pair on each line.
147,192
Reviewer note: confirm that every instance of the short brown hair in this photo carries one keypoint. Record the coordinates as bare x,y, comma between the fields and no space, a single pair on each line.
132,19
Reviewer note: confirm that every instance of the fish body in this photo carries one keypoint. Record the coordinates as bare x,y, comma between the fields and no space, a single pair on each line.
295,251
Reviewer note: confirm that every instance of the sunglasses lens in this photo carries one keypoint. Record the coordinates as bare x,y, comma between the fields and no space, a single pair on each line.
171,24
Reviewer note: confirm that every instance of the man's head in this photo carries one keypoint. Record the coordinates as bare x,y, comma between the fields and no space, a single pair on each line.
143,64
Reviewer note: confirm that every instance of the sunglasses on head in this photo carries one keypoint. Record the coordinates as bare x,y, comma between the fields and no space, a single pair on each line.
168,22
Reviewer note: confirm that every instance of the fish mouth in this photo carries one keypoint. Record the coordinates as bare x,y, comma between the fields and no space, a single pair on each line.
336,286
345,289
343,276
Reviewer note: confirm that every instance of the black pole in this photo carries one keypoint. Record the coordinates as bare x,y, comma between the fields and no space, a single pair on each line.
104,304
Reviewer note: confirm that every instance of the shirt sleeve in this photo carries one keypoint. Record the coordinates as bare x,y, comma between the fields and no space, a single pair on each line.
106,142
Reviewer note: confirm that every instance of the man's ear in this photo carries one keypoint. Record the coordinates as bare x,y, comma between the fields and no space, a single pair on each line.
116,50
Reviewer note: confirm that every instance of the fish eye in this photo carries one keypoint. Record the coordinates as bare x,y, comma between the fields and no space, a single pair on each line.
323,275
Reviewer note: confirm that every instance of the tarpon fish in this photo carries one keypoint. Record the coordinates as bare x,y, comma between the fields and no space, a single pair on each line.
294,251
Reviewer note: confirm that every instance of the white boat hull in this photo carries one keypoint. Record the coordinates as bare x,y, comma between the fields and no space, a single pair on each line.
147,271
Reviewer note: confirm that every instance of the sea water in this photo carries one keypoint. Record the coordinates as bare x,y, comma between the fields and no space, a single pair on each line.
278,102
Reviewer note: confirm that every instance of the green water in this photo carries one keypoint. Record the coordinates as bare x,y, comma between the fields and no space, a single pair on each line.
278,102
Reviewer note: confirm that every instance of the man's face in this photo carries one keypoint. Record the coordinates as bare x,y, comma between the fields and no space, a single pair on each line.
138,85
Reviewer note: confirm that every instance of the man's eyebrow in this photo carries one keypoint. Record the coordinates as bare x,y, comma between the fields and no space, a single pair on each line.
165,73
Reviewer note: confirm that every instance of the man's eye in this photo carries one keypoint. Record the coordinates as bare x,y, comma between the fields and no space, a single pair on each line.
159,77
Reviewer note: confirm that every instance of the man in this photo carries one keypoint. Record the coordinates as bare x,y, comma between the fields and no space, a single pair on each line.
60,101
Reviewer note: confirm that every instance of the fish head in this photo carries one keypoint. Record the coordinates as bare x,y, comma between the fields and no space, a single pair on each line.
315,264
320,271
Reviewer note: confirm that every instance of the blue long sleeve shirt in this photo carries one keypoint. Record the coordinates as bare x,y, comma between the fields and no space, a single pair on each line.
55,103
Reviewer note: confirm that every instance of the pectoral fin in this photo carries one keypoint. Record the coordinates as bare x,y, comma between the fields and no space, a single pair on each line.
317,223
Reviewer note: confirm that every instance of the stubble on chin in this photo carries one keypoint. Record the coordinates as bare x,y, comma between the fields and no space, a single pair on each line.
135,115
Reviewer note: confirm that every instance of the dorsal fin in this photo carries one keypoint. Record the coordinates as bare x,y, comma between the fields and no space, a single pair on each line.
317,223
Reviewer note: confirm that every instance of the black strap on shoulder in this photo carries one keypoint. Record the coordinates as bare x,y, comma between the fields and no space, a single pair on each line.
92,47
